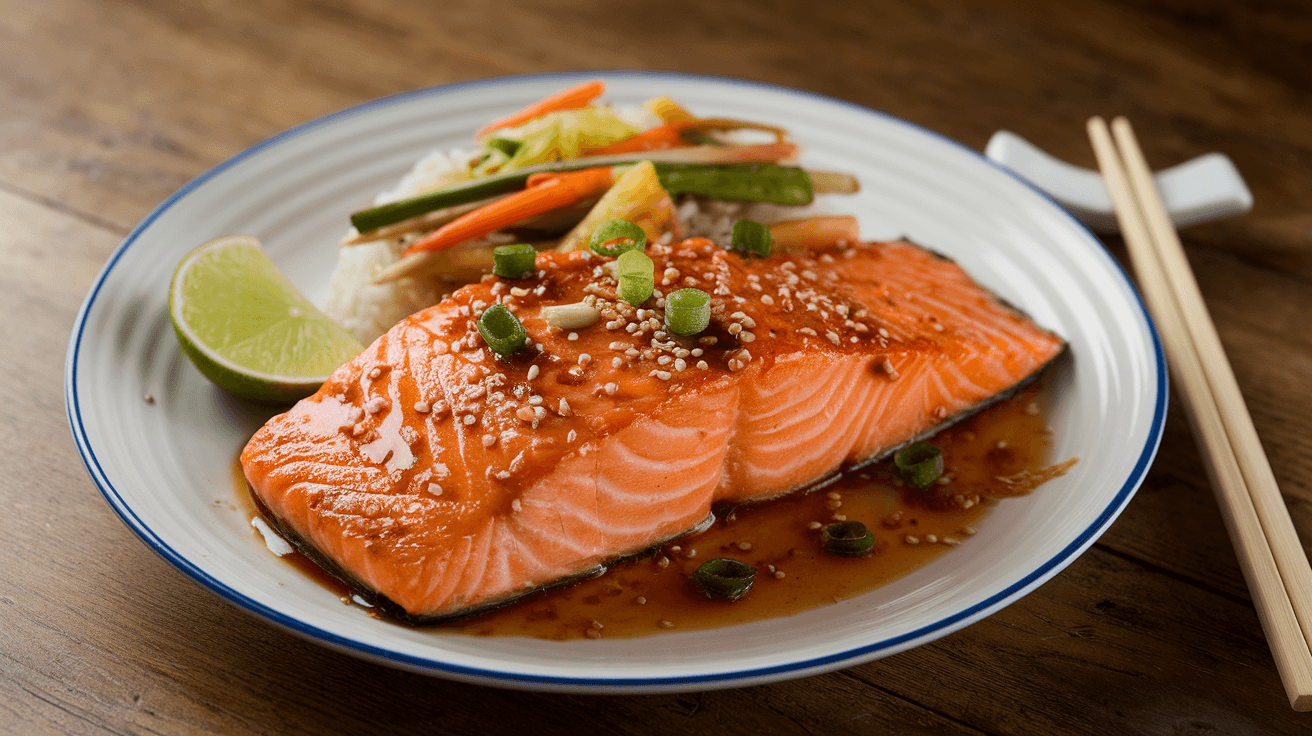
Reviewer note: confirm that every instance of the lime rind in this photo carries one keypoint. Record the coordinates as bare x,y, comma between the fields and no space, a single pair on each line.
248,329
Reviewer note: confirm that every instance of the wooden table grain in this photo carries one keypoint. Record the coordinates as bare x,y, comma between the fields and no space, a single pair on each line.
109,106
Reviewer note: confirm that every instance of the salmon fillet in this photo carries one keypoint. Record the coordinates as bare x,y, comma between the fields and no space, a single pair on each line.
439,479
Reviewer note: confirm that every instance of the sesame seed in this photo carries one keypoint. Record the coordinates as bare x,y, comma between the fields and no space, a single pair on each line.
679,364
938,327
421,407
539,414
534,400
814,525
911,540
778,574
663,562
584,359
375,372
663,375
435,489
572,336
833,337
931,538
666,624
745,546
840,517
708,340
746,337
1002,444
516,505
951,541
703,364
767,299
1032,408
470,419
489,440
640,600
611,388
572,436
735,328
532,372
883,332
526,413
518,291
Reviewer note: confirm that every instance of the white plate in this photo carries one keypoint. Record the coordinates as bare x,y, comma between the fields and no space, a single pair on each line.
167,467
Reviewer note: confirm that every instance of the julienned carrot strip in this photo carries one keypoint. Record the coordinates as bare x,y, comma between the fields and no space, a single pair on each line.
569,99
661,137
545,192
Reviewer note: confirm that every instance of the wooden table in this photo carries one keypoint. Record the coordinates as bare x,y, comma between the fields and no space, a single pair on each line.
107,107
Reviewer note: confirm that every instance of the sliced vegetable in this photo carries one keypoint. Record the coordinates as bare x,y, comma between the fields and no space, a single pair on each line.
847,538
786,185
813,232
668,110
501,330
502,183
724,578
921,464
750,237
514,261
834,182
637,276
660,137
545,192
687,311
506,146
570,316
580,95
613,237
638,197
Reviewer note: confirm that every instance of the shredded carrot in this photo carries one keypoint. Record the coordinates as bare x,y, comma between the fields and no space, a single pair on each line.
546,191
660,137
570,99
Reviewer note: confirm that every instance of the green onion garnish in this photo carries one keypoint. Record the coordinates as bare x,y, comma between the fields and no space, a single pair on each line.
847,538
687,311
514,261
921,464
637,276
501,330
507,146
724,578
751,237
614,237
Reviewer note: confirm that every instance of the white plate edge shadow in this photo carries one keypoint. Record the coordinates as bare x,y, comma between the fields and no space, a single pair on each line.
726,678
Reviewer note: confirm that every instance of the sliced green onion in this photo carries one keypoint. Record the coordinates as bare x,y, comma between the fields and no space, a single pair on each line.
507,146
501,330
847,538
637,276
613,237
751,237
724,578
514,261
921,464
687,311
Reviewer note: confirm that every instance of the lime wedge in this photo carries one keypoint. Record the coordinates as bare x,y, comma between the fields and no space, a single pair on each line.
248,329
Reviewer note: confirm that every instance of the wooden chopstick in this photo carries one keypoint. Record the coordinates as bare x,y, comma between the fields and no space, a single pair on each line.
1274,565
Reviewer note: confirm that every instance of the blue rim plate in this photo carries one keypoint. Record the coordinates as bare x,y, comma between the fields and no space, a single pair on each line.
167,467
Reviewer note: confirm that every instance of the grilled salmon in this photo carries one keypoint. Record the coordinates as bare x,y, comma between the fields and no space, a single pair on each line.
440,479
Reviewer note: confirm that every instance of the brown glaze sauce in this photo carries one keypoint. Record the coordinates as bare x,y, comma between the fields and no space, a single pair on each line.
781,538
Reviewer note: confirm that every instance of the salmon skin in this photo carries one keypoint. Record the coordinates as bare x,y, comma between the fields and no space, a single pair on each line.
439,479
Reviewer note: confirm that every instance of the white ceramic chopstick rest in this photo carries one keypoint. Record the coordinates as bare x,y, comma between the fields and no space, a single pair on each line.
1205,188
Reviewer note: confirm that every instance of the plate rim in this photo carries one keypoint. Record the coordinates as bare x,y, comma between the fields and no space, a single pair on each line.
728,678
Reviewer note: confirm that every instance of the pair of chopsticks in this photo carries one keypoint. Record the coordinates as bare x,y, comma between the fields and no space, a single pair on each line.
1263,535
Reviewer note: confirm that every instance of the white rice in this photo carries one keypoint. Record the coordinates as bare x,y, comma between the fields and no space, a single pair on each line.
368,309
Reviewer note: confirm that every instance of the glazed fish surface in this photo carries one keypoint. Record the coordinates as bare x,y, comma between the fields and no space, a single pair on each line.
440,479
